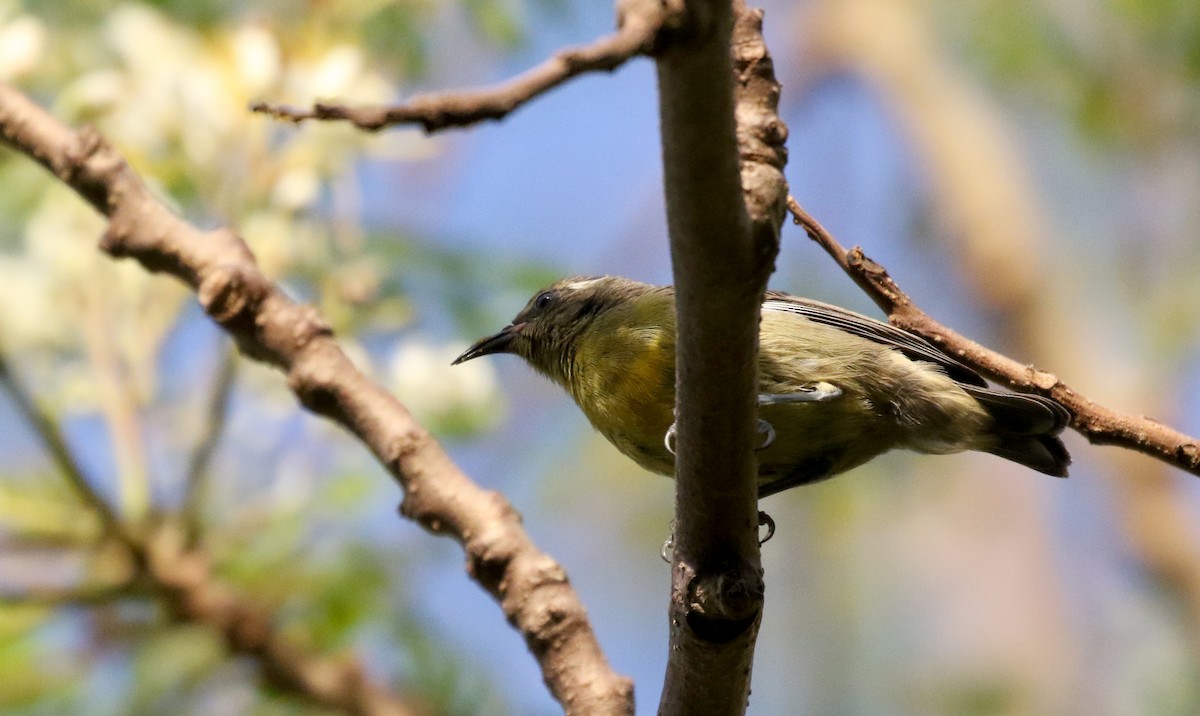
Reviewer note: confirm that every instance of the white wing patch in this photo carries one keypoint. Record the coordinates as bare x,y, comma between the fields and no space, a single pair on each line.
579,285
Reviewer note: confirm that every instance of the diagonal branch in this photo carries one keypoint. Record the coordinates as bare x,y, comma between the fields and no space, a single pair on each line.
86,596
1100,425
639,26
531,588
183,578
51,436
216,414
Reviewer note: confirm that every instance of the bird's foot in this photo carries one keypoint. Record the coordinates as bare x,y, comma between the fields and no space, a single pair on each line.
764,428
767,430
764,520
668,549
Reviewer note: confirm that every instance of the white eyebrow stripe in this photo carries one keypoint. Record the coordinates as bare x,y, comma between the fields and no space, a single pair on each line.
576,285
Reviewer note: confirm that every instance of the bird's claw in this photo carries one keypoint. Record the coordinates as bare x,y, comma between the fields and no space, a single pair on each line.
764,428
764,520
768,432
668,549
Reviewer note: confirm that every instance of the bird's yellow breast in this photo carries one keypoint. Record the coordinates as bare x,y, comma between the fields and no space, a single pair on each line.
624,381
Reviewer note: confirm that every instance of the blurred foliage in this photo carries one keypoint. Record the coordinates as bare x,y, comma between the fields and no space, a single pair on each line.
294,510
1127,71
495,20
1125,74
104,346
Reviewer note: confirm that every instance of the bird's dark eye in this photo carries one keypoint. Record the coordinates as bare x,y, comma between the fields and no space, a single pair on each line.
543,300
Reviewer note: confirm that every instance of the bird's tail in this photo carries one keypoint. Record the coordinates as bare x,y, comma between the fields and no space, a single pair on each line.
1026,429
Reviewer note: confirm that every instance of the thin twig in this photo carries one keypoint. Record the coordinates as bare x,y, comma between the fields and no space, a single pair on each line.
1100,425
50,434
183,577
118,404
216,413
69,596
640,25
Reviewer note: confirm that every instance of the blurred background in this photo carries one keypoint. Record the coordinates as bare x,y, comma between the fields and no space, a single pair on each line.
1028,171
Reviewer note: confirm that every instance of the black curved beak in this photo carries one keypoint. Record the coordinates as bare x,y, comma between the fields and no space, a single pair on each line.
499,343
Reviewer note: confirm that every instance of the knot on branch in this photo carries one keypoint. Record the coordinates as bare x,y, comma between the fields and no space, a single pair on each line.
1041,379
654,19
1190,454
229,291
86,163
316,379
408,443
547,620
87,144
116,239
678,22
722,606
489,556
307,325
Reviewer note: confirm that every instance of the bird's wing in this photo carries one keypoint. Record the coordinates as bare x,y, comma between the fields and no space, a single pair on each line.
911,345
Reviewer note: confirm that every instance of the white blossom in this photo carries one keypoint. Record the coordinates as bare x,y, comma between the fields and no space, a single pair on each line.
435,391
21,42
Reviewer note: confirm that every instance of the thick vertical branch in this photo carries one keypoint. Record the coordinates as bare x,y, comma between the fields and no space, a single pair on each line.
721,255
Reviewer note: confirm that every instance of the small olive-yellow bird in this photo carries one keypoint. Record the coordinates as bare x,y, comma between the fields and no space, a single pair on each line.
835,388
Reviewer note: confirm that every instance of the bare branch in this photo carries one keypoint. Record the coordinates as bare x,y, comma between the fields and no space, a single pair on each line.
119,405
640,23
184,578
724,219
267,325
51,436
1100,425
69,596
196,476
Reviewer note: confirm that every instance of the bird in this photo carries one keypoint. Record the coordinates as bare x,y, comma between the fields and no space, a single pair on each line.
835,388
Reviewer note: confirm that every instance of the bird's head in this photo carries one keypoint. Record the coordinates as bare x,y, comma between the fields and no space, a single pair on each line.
547,331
